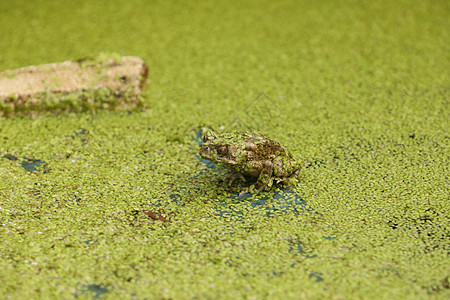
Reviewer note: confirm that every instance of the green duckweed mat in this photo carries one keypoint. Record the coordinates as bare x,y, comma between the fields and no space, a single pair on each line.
118,205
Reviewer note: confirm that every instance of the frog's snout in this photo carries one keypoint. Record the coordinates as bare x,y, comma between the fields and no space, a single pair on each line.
205,151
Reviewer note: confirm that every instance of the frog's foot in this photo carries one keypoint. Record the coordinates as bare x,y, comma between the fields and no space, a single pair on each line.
264,182
282,180
245,191
256,188
288,181
232,177
261,188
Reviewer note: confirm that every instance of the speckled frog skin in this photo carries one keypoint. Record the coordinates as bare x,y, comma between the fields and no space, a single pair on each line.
250,154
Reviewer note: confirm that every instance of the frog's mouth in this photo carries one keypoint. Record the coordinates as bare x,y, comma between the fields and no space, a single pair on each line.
205,152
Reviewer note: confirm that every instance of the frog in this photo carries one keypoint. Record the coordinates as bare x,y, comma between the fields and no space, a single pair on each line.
250,155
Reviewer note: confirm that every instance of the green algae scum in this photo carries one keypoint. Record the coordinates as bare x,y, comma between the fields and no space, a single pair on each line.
119,205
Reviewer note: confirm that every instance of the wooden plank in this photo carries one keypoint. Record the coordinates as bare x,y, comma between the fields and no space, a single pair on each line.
105,82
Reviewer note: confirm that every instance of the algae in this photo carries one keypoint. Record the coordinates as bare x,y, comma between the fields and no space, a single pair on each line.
358,91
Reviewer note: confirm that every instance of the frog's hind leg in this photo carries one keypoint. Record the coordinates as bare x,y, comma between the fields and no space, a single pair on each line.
288,181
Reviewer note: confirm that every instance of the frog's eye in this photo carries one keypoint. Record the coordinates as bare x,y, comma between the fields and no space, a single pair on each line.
222,150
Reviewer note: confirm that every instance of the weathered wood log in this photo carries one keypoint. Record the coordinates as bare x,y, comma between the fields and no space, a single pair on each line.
105,82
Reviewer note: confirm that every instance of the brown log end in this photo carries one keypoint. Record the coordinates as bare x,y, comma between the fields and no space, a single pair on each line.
105,82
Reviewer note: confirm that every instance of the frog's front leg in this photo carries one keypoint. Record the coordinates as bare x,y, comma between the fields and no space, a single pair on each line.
265,178
233,176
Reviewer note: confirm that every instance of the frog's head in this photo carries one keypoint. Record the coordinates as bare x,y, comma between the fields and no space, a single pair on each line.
220,149
209,136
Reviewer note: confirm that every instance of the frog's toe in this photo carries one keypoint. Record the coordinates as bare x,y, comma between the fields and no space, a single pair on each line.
245,191
254,189
262,188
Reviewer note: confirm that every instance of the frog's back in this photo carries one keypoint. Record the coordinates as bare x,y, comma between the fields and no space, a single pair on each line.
264,147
